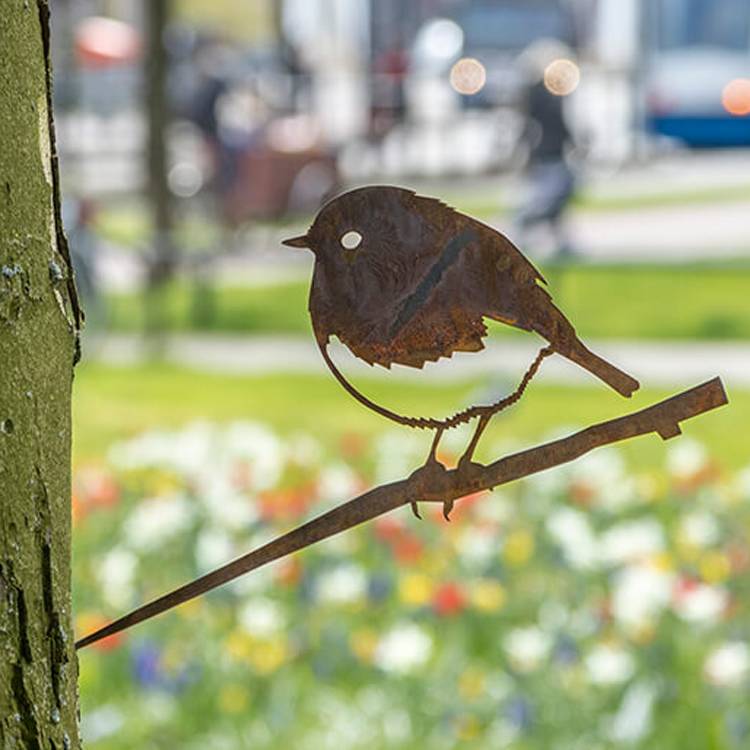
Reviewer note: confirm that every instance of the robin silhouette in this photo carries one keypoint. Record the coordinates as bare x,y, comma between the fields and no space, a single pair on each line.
405,279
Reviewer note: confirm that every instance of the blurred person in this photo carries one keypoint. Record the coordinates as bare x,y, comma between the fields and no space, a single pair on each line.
551,182
78,220
388,90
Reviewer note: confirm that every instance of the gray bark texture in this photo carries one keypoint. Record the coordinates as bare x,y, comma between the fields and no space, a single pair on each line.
39,324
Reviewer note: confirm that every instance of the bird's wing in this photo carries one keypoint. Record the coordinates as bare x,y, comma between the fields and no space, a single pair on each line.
447,217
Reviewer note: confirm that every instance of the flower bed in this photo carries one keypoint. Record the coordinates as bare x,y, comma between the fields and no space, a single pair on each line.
582,608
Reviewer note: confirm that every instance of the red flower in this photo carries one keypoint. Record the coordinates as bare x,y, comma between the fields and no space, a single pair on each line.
286,505
388,528
353,445
407,548
448,600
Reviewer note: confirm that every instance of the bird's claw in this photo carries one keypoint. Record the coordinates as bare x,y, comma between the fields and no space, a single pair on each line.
447,508
430,473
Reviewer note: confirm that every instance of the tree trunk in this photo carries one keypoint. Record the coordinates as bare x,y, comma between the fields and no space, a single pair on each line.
39,323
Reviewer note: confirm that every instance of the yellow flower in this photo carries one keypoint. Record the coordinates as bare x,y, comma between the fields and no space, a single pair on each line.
662,561
363,644
689,552
415,589
519,547
471,684
467,728
488,595
267,656
190,609
239,645
643,634
715,567
233,699
435,561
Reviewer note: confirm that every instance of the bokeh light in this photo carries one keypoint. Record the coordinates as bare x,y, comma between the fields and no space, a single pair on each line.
561,77
468,76
736,97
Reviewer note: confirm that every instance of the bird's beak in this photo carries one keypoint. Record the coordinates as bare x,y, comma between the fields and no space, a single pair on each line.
301,241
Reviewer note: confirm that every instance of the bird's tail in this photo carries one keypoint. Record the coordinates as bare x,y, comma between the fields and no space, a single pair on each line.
556,328
623,383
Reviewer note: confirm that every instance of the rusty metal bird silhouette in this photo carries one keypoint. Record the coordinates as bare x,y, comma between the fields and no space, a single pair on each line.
400,278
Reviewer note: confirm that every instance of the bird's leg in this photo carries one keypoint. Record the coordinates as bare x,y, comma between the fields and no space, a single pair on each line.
465,463
430,466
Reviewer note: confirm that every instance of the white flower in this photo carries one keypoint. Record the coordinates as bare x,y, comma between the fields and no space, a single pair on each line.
573,533
403,649
607,665
497,508
397,453
225,506
342,585
212,548
260,447
477,546
701,603
155,520
527,647
700,529
261,617
639,595
686,457
728,665
202,451
743,483
633,719
604,472
115,574
303,449
337,483
101,722
631,541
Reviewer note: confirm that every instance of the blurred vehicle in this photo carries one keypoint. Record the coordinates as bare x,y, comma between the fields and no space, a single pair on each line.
698,65
685,64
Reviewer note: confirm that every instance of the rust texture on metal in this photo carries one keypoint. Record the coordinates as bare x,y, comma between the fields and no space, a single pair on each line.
437,484
404,279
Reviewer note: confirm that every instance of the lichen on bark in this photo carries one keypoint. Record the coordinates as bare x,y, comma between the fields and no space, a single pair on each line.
39,323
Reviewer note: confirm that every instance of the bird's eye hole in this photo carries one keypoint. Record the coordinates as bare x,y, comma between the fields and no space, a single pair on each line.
351,240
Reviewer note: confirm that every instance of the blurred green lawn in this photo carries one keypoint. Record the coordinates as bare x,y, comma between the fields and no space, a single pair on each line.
112,403
626,302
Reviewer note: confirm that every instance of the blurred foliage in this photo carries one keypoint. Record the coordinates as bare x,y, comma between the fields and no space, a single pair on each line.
587,607
246,22
706,302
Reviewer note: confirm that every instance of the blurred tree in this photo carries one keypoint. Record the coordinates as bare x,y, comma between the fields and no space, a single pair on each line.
39,322
164,257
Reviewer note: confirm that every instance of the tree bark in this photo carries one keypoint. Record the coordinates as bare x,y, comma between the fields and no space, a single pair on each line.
39,324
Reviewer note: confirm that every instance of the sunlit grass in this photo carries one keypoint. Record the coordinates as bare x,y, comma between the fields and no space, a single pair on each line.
112,403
